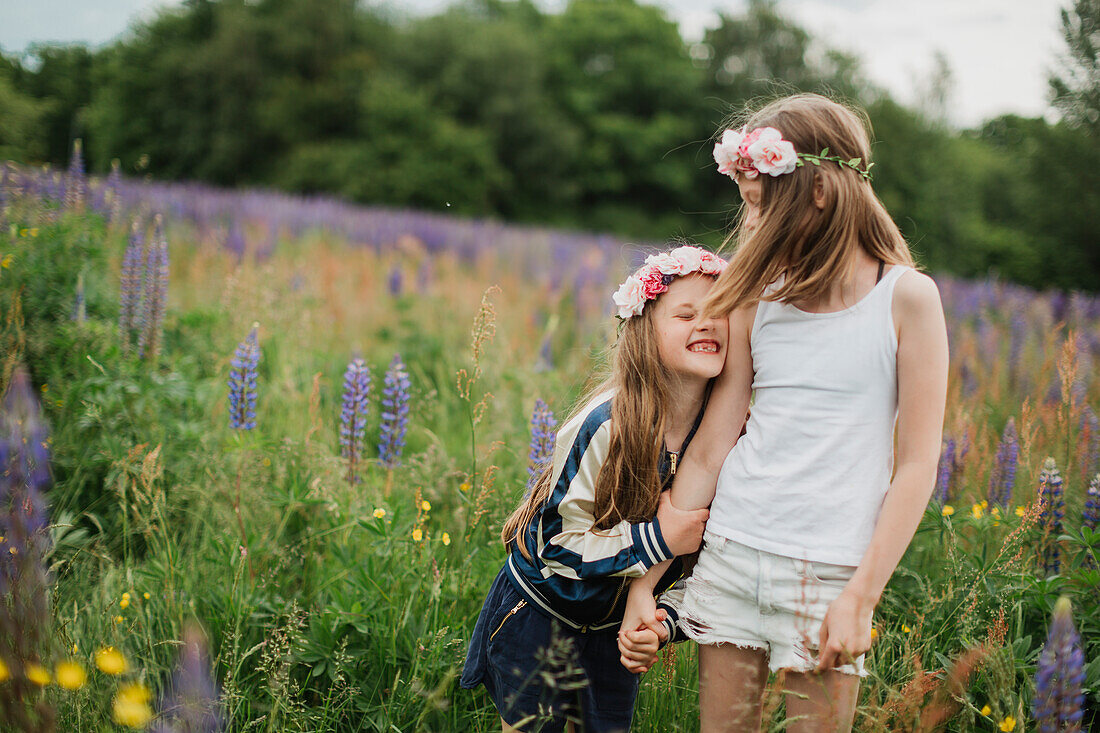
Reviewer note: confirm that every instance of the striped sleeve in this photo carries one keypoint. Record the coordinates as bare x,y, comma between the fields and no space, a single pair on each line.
670,601
569,545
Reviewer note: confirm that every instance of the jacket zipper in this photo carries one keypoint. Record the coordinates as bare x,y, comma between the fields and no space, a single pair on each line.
673,457
510,614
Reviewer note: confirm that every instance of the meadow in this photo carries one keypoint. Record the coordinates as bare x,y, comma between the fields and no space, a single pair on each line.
332,542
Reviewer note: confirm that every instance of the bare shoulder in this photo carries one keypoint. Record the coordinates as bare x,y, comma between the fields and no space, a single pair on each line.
916,294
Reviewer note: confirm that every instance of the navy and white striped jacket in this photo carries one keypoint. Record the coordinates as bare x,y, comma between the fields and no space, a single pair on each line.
576,573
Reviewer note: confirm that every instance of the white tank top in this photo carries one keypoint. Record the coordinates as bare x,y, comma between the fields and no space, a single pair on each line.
808,478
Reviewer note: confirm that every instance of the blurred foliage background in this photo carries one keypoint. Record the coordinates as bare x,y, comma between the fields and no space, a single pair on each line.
599,116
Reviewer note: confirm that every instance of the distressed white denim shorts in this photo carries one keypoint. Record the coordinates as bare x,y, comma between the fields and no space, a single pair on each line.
751,598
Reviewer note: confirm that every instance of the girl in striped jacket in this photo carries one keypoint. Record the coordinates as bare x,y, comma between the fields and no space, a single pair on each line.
545,644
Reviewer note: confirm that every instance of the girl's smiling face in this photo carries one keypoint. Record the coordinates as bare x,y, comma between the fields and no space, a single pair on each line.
689,345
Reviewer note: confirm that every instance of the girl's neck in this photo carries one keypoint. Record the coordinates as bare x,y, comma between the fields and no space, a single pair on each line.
685,404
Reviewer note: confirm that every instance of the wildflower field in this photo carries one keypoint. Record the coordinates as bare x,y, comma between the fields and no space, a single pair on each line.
258,449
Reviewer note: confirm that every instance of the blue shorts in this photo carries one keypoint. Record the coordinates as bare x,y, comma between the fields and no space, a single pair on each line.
541,674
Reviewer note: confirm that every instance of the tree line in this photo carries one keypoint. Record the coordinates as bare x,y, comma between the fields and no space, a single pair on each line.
599,116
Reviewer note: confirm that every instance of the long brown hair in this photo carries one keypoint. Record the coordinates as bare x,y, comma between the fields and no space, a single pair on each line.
629,482
811,248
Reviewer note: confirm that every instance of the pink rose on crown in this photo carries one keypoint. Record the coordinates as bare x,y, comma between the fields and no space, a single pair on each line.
653,282
712,264
749,139
690,258
630,297
667,263
770,153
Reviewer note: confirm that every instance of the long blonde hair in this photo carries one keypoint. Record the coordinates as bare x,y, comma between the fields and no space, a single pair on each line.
811,248
629,482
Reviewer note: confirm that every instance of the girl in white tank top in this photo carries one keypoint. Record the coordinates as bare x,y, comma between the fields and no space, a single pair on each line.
841,341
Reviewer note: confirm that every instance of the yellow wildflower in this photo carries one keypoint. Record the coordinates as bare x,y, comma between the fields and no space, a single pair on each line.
874,633
1020,511
266,461
995,511
418,534
426,505
446,538
22,232
905,628
124,603
947,510
34,231
379,513
986,710
13,551
145,595
1009,723
6,261
110,661
464,487
131,706
125,596
75,650
5,675
45,388
977,510
37,674
70,675
118,619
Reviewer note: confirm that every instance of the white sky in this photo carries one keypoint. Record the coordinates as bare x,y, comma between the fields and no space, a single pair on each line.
1000,51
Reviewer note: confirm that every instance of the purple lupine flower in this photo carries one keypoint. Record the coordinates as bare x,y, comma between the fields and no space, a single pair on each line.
1089,442
74,179
191,703
395,413
1091,515
242,383
1059,700
543,434
130,289
1052,511
395,281
353,414
1002,479
24,477
155,293
944,472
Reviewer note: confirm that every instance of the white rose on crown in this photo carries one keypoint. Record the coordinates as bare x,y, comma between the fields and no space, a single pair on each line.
630,297
667,263
690,258
726,151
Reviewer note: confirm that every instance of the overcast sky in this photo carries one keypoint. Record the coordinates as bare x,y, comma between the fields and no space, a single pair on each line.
1000,51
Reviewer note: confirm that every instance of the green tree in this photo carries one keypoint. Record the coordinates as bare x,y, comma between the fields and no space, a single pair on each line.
1076,91
20,123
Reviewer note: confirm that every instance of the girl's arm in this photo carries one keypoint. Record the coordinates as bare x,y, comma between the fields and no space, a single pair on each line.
696,480
922,393
571,546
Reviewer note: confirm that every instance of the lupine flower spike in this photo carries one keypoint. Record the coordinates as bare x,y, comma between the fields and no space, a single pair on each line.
1059,699
24,477
155,293
191,705
130,286
395,413
242,383
1091,516
74,180
542,441
1003,477
944,472
1052,510
353,415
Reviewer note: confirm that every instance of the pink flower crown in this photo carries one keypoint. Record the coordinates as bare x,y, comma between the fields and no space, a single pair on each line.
658,272
765,151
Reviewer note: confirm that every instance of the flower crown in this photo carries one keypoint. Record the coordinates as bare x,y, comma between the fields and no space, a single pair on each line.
765,151
659,270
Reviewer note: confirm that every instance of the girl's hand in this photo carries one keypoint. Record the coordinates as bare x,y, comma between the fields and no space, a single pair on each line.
681,530
638,649
846,630
643,623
